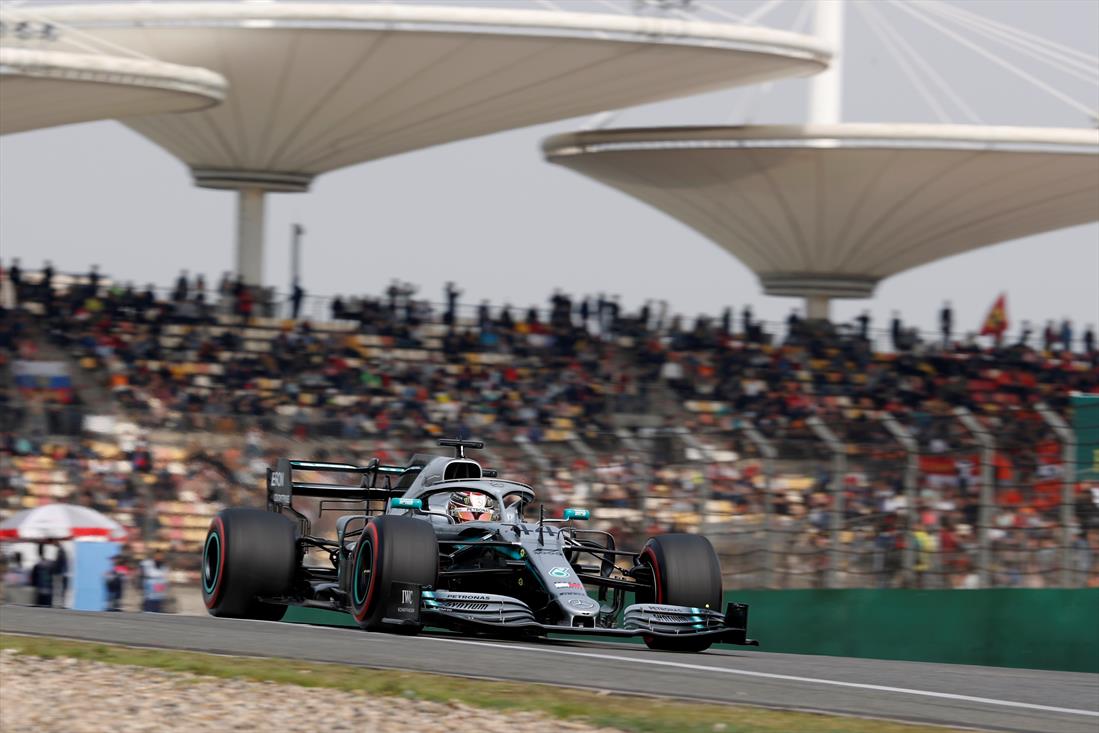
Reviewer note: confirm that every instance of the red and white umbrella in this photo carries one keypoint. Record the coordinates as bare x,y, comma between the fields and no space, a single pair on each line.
59,522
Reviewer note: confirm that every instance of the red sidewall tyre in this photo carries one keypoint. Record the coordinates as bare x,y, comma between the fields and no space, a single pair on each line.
248,554
392,549
686,572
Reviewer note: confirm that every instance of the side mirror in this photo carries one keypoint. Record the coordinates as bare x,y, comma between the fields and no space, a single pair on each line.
402,503
577,513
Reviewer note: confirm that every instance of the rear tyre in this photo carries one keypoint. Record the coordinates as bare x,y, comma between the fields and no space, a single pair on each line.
391,549
248,554
686,572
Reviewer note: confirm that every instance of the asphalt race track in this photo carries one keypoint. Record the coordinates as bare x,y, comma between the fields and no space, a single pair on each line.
990,698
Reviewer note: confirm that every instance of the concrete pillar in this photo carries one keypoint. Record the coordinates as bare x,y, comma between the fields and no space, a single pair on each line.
987,499
826,88
1068,487
251,188
768,452
911,483
839,473
250,215
817,307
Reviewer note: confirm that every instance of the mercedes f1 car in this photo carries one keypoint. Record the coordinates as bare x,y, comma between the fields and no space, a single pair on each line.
442,542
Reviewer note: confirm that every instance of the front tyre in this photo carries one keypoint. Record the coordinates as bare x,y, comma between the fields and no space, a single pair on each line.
391,549
686,572
248,554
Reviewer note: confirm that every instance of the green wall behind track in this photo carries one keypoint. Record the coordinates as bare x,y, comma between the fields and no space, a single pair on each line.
1003,627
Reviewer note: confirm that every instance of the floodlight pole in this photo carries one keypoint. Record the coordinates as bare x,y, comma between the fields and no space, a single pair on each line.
707,490
911,478
769,454
984,511
1068,486
296,230
839,471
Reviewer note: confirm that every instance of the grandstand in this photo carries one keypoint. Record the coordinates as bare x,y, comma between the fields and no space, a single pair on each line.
568,404
813,454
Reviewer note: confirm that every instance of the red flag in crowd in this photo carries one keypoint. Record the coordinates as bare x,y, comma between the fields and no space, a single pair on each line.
996,321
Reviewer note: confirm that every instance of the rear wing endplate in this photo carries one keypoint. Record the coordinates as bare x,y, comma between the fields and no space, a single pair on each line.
280,488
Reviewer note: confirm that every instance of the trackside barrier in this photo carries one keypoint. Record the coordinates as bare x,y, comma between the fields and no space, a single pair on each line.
999,627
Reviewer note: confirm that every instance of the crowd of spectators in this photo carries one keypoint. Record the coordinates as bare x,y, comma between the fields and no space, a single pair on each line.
382,373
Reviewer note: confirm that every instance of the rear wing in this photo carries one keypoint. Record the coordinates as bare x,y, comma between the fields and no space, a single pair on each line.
282,488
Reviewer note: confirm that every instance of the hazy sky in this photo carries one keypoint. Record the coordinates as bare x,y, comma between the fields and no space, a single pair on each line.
490,214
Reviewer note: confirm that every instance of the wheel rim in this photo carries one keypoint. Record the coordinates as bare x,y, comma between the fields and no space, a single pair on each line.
363,569
211,562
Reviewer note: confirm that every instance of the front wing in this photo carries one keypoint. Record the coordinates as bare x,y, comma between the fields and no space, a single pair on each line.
503,615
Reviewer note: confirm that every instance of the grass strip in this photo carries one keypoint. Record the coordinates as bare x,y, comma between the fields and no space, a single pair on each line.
627,713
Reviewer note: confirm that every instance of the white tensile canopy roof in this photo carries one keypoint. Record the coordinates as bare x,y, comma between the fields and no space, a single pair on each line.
48,88
827,211
319,86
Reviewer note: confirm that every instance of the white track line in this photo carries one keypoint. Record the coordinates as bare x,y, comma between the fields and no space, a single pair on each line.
771,675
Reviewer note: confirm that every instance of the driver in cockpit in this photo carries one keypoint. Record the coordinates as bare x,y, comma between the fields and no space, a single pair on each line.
472,506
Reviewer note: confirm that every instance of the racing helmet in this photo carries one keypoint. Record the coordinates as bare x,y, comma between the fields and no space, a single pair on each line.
472,506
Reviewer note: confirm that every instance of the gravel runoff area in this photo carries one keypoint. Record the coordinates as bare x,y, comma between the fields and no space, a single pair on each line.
77,696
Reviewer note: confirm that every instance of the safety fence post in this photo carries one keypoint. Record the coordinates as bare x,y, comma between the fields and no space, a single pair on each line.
839,471
769,454
987,496
707,490
911,479
1068,484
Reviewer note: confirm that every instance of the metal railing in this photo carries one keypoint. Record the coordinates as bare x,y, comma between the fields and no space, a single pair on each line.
271,302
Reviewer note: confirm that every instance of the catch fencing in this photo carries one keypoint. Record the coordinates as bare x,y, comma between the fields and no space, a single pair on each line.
950,500
860,499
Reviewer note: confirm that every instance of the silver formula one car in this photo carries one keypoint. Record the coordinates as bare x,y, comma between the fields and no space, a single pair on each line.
442,542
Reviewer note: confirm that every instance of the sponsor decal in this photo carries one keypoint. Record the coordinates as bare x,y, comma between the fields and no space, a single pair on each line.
280,498
465,597
406,605
277,481
568,585
559,572
581,603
